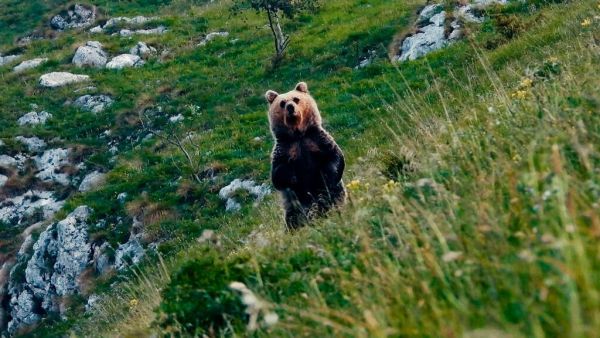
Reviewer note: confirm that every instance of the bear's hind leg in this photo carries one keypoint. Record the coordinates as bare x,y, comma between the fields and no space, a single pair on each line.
295,215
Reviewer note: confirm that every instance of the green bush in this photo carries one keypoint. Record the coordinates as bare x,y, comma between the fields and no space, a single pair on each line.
198,300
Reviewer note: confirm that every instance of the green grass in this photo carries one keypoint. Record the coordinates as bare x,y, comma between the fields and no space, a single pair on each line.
504,241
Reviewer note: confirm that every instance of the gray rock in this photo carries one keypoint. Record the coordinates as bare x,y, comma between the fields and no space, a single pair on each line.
122,197
125,60
96,30
8,161
34,118
142,49
8,59
78,16
23,311
152,31
102,258
211,36
33,144
92,181
73,251
227,193
91,304
3,180
14,211
431,32
91,54
29,64
129,253
176,119
121,20
428,38
49,164
59,256
490,2
59,79
94,103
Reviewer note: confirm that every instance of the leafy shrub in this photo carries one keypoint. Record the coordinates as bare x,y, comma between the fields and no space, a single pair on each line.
198,298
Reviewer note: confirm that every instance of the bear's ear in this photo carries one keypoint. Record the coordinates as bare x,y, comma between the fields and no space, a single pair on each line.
271,96
302,87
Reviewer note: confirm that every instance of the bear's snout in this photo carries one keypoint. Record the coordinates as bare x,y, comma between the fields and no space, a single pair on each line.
290,109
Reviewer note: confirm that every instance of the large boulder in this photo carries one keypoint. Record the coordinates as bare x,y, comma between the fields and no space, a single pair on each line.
60,255
124,61
430,35
34,118
93,103
29,64
77,16
59,79
91,54
433,32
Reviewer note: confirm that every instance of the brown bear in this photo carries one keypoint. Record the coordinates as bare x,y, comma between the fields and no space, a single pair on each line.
307,164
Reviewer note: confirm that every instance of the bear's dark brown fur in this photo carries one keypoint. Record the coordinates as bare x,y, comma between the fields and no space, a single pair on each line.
307,164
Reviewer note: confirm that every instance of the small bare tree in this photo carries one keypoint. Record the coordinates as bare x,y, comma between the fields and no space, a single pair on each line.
275,9
182,140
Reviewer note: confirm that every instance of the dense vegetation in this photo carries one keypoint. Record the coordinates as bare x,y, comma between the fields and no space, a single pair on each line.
473,179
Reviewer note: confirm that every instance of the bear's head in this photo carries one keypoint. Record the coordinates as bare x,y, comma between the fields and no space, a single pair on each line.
293,112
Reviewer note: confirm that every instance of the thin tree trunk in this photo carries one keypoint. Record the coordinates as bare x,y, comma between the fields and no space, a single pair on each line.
281,41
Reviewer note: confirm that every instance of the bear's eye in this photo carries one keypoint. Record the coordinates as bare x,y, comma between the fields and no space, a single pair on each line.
282,104
297,100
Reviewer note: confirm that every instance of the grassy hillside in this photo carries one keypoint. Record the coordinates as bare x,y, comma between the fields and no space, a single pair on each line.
473,179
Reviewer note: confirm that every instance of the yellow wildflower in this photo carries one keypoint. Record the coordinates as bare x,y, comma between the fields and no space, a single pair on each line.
133,303
390,186
586,23
526,83
519,94
353,185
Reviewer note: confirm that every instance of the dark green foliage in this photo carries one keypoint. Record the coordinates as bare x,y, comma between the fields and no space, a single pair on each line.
289,8
198,297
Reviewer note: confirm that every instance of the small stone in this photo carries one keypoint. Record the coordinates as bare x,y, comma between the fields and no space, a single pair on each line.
142,49
92,181
176,119
211,36
94,103
29,64
125,60
34,118
8,59
59,79
122,197
33,144
91,54
49,164
227,193
96,30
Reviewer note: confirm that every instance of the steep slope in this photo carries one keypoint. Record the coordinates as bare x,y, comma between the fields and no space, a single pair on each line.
478,217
